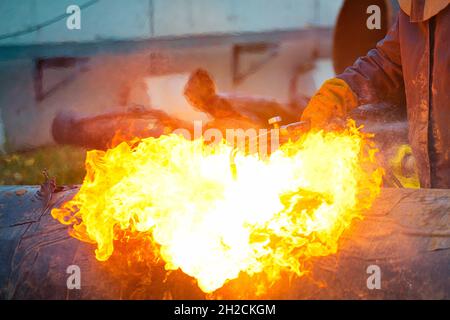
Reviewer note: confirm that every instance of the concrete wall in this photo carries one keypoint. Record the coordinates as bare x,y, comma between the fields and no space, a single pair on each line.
145,19
27,121
100,89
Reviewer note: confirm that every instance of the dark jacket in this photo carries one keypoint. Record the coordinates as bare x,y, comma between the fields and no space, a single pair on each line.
413,62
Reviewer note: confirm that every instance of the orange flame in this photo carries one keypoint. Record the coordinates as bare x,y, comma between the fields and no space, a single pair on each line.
264,216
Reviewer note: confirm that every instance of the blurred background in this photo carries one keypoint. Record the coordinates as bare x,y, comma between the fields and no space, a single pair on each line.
142,52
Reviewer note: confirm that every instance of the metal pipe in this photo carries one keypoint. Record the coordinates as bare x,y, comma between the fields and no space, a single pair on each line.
406,234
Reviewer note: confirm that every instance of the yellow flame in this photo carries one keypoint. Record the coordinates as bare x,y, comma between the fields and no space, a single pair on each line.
265,215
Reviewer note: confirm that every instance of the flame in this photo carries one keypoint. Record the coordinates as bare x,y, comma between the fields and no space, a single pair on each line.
212,222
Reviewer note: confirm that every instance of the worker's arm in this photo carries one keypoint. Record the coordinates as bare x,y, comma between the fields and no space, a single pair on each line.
373,78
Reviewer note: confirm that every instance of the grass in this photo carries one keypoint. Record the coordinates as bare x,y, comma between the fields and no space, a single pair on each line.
66,163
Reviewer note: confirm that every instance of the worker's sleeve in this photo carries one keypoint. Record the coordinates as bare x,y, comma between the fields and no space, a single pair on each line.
378,76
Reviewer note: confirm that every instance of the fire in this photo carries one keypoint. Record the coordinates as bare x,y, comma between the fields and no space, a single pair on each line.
214,220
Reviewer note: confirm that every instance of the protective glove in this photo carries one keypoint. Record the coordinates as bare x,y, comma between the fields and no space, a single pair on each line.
333,100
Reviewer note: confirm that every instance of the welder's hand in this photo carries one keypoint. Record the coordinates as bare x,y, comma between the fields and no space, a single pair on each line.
330,103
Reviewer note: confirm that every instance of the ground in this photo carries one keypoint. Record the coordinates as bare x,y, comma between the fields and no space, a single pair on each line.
66,163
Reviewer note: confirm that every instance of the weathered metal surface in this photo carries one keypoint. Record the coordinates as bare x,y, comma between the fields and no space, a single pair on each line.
352,20
406,234
102,131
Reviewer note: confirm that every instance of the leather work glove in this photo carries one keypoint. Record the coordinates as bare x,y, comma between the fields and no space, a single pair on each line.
333,100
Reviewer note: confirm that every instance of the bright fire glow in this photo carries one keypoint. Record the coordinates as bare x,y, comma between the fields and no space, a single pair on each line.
214,222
